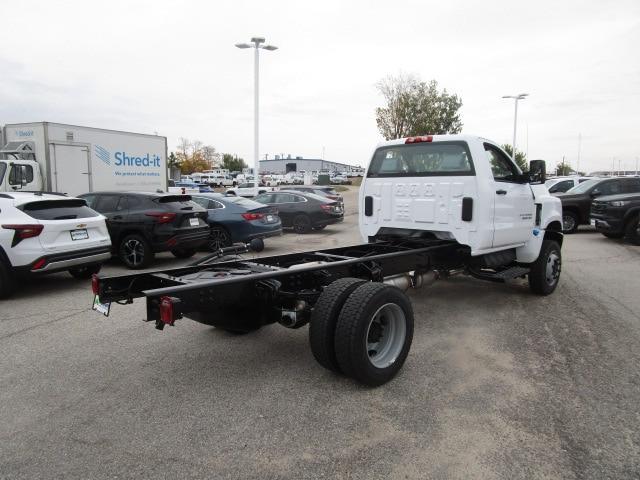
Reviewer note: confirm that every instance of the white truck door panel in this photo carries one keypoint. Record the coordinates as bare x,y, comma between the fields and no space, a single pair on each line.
70,165
514,214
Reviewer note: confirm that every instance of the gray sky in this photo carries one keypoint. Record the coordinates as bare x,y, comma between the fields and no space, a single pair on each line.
172,67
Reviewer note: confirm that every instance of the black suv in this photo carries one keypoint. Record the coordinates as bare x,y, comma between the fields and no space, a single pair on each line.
142,224
576,203
617,216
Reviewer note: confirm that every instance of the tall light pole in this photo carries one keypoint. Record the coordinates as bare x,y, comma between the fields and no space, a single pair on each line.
257,44
520,96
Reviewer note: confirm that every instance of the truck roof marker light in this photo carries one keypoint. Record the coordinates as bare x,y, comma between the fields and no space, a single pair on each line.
424,138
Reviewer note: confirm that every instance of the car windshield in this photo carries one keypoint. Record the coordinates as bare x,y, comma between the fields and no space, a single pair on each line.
3,169
584,186
243,202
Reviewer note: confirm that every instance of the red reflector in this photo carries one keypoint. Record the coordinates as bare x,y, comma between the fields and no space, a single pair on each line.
172,242
162,217
25,231
166,310
426,138
95,284
252,216
39,264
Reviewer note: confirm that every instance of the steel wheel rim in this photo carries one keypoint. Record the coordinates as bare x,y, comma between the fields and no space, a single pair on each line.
218,239
300,225
386,335
568,222
552,270
134,252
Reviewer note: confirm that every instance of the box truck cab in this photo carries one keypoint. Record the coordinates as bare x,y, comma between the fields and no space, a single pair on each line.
18,172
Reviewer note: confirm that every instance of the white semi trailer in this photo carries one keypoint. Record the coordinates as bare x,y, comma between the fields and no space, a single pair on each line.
71,159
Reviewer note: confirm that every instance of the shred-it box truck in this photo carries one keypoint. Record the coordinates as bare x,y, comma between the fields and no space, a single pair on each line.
70,159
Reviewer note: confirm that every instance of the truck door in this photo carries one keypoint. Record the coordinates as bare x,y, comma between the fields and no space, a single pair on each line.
71,172
514,208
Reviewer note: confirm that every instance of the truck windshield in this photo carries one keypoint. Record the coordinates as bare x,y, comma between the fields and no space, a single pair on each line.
422,160
3,169
584,186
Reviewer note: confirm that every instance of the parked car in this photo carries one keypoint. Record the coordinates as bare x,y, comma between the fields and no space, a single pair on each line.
303,211
617,216
340,180
562,184
143,224
183,188
45,233
324,191
576,203
246,190
269,181
237,219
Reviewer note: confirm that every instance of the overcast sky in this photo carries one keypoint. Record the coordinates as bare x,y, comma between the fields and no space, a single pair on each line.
172,68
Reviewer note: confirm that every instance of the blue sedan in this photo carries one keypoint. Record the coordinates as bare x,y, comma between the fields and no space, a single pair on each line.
237,219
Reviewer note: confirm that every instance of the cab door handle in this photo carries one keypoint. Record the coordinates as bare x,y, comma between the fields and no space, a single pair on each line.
501,192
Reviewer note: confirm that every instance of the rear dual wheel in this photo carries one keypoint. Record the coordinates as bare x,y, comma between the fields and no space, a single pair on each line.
372,330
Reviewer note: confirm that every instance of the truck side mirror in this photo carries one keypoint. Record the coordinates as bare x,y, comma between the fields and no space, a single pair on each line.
537,171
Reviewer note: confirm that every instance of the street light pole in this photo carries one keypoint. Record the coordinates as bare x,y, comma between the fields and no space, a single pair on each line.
257,44
520,96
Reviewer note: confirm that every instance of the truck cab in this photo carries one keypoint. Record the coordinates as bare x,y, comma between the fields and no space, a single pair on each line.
457,187
19,170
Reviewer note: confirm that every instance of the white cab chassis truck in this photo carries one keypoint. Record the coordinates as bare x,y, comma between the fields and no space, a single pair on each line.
71,159
430,207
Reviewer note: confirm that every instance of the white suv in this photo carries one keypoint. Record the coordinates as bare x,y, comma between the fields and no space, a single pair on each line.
44,233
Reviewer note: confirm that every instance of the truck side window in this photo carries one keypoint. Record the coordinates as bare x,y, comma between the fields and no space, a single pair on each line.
609,188
502,167
561,186
20,173
631,186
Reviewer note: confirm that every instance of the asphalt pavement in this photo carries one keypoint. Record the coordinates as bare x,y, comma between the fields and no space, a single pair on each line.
499,384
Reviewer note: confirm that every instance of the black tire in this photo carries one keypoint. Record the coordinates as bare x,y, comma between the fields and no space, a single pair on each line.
218,238
632,230
6,285
302,224
183,252
615,235
320,227
84,273
324,319
545,271
135,252
569,222
367,307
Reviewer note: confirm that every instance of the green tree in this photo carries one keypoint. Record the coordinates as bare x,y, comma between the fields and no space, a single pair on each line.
414,107
233,163
173,160
521,157
563,169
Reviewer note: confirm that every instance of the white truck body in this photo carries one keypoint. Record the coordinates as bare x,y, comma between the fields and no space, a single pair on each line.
73,159
506,213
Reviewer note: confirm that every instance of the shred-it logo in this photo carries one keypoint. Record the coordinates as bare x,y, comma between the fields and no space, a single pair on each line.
103,154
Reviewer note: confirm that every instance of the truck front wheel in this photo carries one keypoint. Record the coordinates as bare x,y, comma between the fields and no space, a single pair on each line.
545,271
324,318
374,333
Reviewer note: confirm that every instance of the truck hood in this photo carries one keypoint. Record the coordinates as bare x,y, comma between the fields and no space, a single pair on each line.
568,197
619,196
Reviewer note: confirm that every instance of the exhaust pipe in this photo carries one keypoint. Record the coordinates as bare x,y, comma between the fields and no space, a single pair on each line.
404,281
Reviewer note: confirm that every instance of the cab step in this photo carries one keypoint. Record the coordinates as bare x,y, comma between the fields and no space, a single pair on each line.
501,276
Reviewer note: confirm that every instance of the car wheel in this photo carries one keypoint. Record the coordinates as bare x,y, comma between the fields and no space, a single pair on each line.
302,224
569,222
632,232
135,252
374,333
545,271
6,283
613,235
324,318
84,273
218,238
183,252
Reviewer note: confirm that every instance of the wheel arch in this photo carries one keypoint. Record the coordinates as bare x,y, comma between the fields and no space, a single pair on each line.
630,214
554,232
